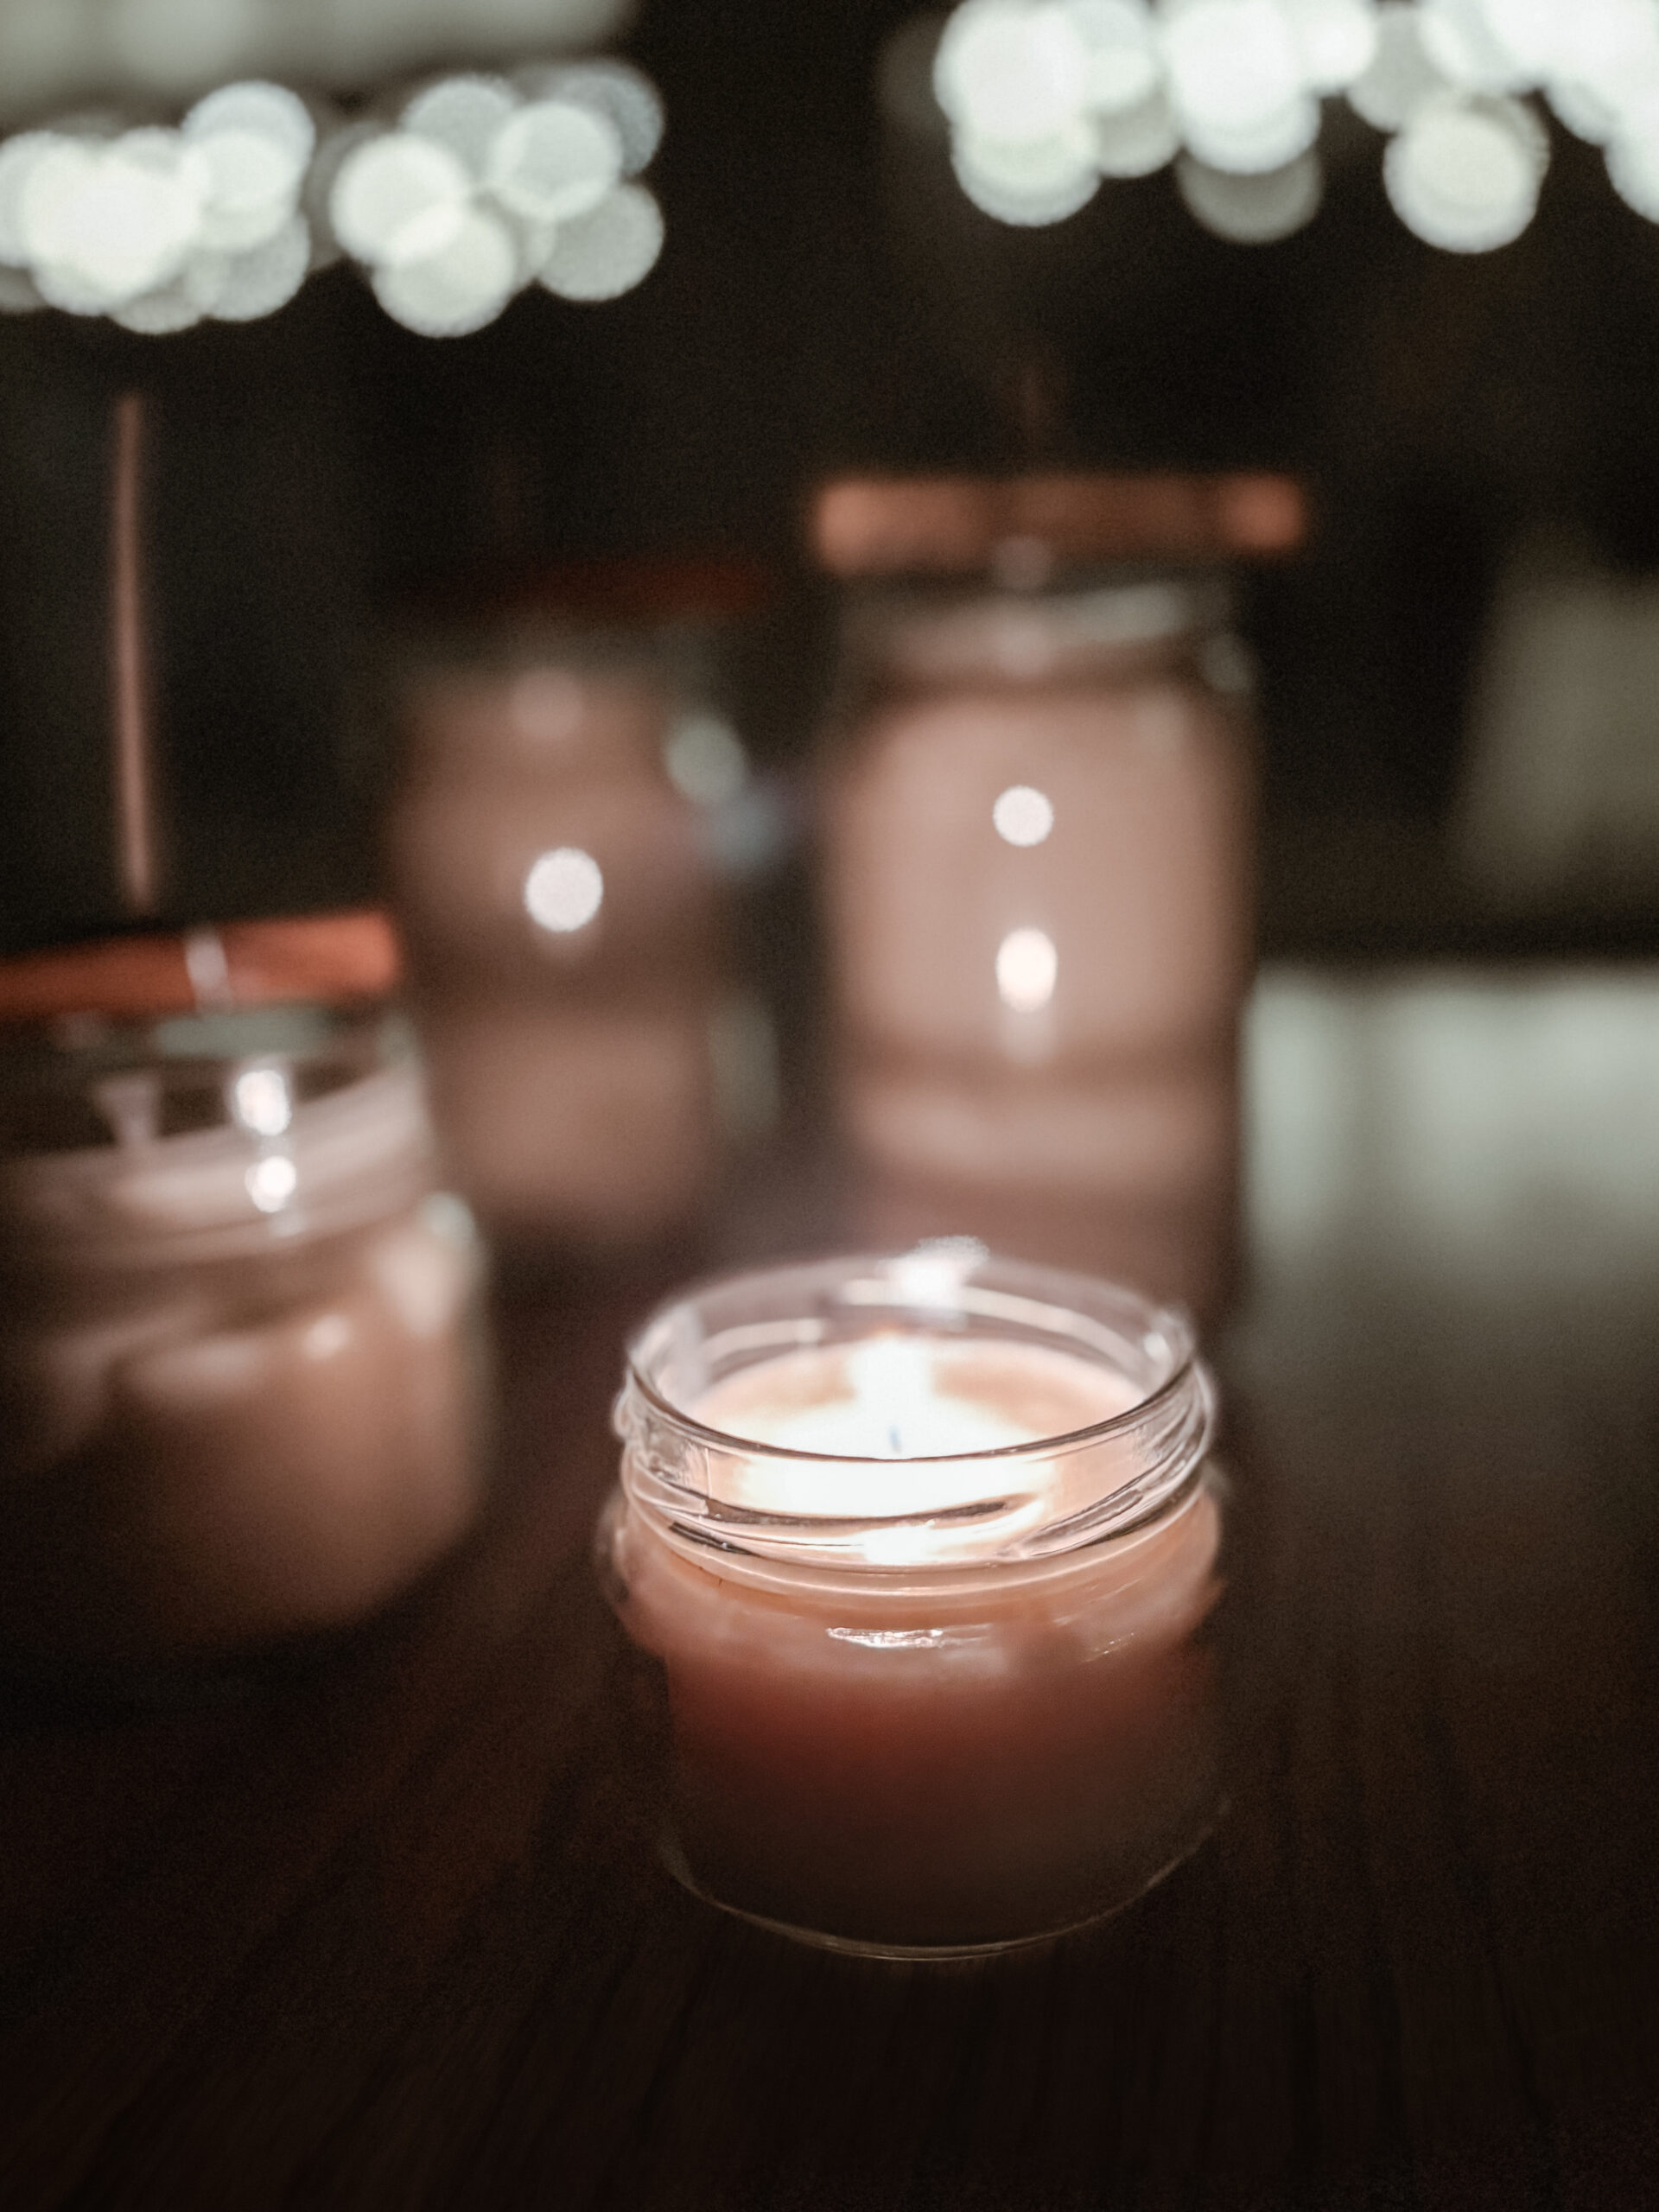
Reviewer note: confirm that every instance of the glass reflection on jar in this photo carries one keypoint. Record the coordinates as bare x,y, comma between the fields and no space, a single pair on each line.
1037,861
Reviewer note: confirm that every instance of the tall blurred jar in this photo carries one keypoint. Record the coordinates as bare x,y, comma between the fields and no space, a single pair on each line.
243,1394
1038,859
574,804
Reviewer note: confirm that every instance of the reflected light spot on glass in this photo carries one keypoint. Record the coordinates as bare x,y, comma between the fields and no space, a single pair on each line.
563,890
327,1336
1027,967
271,1183
262,1103
705,760
1023,816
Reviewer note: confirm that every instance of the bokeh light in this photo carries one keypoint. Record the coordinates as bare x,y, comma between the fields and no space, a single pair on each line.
1237,86
461,286
1402,74
1010,71
462,114
553,160
254,142
1633,157
1336,41
1138,141
1039,98
482,186
1463,174
399,198
1122,68
1253,210
606,252
1604,60
1032,182
624,96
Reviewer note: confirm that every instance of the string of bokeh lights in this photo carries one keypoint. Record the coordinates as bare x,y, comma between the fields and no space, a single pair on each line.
452,199
1044,98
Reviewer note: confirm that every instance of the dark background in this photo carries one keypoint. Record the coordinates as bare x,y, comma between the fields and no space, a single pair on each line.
827,298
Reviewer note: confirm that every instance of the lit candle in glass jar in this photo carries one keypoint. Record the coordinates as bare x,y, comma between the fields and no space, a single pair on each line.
925,1547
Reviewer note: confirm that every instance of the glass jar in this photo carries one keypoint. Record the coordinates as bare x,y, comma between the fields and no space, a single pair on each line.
926,1548
242,1381
1038,860
573,806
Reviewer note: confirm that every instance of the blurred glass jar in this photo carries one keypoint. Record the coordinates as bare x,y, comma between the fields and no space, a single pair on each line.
242,1375
572,805
1038,865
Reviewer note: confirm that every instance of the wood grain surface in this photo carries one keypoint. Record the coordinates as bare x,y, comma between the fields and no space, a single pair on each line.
390,1932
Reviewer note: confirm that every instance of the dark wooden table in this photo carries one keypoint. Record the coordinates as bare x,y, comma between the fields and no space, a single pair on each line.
393,1935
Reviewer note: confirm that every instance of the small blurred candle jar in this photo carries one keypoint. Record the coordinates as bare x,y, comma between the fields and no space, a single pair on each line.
559,848
1038,852
926,1546
241,1372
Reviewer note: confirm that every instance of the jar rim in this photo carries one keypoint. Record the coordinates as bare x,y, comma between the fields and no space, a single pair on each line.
1140,1461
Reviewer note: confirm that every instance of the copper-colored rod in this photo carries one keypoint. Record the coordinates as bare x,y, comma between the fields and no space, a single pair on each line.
134,760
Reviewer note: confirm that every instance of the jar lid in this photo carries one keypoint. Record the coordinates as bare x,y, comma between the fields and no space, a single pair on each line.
331,958
1019,526
634,588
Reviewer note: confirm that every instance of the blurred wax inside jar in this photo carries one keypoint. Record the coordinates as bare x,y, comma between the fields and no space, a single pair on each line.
241,1395
556,851
1038,860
